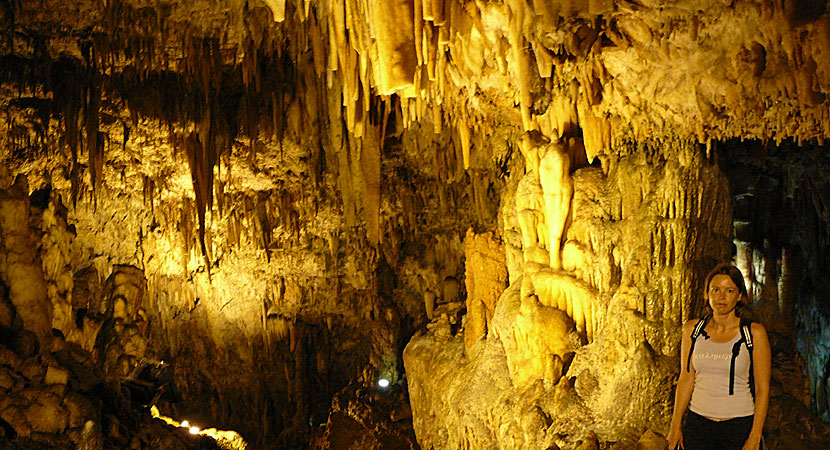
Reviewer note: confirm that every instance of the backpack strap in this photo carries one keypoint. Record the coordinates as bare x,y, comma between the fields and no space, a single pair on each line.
701,324
746,338
746,335
736,349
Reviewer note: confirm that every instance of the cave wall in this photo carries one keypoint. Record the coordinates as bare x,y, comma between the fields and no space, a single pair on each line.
587,350
286,191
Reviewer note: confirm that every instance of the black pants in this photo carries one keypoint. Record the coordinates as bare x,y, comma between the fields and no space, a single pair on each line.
700,433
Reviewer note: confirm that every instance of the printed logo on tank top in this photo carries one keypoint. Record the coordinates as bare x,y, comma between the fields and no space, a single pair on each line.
713,356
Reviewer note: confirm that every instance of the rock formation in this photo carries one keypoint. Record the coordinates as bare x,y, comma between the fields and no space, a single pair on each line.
505,208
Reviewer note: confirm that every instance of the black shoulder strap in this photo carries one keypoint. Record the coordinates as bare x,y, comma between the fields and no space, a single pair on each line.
746,335
701,324
746,338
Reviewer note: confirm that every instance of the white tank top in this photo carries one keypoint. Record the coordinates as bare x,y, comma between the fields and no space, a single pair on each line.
710,397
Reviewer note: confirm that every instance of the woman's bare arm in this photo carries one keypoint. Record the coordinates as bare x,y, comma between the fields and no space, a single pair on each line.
762,367
685,386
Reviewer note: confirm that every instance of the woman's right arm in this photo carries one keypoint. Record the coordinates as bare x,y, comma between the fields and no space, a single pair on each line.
685,386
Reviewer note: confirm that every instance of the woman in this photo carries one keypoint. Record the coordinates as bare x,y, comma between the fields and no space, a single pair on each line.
715,380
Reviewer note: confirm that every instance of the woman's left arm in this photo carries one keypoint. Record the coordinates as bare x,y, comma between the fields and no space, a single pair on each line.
762,363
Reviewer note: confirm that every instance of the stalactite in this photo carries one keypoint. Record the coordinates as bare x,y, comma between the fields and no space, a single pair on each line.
418,28
464,136
430,49
351,93
438,16
65,77
185,227
221,197
596,131
317,47
544,60
337,19
264,224
201,160
395,43
277,8
149,192
522,62
371,166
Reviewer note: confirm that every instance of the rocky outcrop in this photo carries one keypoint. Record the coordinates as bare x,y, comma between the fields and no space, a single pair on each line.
20,267
54,392
365,415
589,348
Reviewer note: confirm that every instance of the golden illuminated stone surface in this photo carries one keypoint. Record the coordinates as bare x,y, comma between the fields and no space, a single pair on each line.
277,195
485,278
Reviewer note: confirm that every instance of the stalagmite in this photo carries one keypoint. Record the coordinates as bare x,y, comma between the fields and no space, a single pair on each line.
486,279
533,335
557,185
21,270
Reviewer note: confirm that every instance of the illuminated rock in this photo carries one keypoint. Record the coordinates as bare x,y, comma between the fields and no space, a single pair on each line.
538,344
20,266
486,278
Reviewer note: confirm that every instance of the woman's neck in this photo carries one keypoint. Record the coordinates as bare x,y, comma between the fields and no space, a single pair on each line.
725,321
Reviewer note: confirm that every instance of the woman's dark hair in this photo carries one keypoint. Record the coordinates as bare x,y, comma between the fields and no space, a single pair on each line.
742,308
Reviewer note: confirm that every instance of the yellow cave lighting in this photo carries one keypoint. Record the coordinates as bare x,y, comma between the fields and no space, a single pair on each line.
225,439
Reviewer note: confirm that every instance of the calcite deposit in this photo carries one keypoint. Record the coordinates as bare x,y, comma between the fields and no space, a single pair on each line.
503,208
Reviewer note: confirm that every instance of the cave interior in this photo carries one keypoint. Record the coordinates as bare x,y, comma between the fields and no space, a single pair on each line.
402,224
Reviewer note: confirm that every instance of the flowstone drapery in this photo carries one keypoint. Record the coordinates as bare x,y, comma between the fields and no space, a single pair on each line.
587,351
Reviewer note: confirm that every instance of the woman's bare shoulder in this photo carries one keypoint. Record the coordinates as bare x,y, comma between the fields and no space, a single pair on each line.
689,326
758,327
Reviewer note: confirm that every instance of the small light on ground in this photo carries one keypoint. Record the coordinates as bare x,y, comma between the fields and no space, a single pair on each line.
185,424
194,430
383,382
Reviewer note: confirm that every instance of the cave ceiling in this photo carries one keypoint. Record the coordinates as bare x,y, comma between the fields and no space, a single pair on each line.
616,69
266,85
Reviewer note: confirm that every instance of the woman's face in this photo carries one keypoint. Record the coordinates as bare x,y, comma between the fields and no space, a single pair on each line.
723,294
